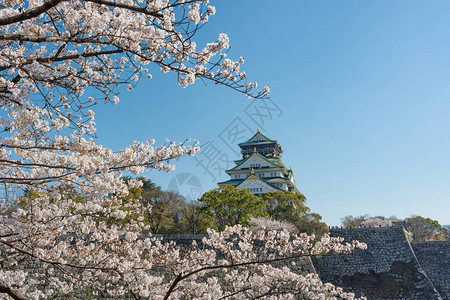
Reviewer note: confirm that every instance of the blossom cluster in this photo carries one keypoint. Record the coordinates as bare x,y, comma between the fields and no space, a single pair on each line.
272,224
60,58
52,54
83,245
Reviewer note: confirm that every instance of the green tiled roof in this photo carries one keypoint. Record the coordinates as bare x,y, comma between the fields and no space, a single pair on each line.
281,178
231,181
254,143
257,143
277,162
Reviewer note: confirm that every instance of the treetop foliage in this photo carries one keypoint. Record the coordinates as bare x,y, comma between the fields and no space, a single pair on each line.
290,207
228,206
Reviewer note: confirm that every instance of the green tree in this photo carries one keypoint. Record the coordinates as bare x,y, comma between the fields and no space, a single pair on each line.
311,224
285,206
164,217
228,205
194,220
425,229
290,207
169,212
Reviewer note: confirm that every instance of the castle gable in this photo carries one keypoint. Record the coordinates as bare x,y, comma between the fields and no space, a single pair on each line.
256,185
254,161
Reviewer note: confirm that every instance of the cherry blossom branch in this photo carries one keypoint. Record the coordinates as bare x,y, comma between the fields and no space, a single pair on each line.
128,7
13,294
32,13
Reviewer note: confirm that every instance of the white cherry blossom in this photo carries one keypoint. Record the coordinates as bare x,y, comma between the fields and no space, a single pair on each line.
58,60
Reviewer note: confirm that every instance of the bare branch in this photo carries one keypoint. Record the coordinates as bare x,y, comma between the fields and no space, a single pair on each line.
32,13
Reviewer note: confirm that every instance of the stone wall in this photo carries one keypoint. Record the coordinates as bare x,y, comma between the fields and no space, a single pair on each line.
434,257
302,265
388,269
391,267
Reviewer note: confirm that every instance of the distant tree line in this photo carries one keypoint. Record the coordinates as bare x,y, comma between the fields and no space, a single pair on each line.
421,228
168,212
224,206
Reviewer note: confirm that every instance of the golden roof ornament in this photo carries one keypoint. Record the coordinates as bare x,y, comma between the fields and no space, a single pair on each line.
252,172
254,150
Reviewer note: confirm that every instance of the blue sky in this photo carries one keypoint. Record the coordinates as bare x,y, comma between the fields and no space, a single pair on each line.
361,90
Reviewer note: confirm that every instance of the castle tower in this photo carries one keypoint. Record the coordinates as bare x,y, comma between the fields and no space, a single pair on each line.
261,170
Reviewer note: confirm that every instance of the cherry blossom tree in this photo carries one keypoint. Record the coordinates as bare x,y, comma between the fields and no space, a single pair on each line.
60,58
272,224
